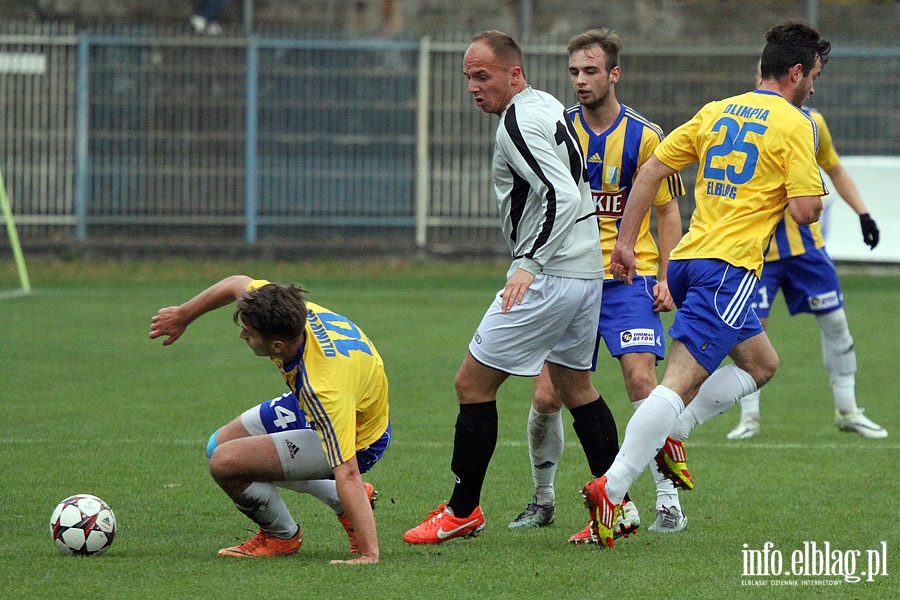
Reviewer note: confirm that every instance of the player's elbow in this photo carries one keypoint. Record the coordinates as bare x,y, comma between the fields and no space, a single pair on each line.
806,210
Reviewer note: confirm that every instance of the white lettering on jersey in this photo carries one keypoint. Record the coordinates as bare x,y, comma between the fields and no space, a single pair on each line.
609,204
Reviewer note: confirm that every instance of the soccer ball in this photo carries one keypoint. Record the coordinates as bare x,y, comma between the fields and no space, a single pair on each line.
83,524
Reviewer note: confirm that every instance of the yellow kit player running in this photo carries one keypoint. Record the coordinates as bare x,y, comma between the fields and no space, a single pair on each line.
337,377
798,264
756,155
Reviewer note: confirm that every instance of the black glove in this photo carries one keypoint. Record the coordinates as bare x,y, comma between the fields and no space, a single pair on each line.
869,230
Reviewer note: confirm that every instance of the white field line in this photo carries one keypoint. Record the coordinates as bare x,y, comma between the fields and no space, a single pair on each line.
875,445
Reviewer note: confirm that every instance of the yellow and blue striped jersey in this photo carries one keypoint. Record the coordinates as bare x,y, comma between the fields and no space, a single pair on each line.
791,239
339,381
613,160
755,151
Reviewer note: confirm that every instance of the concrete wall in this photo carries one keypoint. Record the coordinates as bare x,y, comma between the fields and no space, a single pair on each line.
640,22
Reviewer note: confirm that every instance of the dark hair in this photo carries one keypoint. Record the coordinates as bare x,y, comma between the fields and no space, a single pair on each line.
790,44
505,48
276,311
607,40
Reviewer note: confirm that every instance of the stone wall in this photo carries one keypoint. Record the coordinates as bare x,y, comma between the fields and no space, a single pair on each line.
640,22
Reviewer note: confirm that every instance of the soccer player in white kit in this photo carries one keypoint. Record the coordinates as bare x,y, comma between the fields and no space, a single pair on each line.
548,310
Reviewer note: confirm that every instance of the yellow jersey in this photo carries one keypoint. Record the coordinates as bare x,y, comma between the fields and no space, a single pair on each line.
791,239
614,158
339,380
755,151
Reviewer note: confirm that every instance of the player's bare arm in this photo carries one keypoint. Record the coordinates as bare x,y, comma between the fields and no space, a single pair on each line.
172,321
668,228
805,209
847,190
356,503
649,178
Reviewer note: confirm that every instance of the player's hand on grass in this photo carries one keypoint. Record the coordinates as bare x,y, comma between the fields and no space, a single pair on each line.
359,560
869,230
167,322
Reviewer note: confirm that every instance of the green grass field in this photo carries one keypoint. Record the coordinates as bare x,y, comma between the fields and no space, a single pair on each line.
89,404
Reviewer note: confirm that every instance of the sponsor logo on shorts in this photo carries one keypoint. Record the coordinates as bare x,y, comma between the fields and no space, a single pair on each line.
637,337
824,301
477,338
292,448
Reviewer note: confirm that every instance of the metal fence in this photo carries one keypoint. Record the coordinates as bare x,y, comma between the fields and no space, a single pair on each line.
256,140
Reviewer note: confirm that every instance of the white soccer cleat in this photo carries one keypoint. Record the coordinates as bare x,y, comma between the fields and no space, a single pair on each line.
747,428
628,521
669,519
857,422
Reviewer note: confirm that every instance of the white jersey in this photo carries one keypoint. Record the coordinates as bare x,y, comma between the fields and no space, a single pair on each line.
545,201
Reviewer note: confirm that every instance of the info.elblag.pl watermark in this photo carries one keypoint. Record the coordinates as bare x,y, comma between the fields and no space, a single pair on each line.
814,563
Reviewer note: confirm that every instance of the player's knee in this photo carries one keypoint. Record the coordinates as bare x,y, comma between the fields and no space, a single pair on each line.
767,370
469,389
220,464
640,385
211,444
763,368
835,330
545,401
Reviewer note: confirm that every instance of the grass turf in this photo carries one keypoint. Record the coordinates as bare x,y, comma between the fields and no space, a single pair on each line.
90,404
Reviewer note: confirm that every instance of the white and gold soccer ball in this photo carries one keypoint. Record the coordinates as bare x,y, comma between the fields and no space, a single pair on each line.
83,524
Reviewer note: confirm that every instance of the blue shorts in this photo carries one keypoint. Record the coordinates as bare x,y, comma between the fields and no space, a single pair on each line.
627,321
714,313
809,282
368,456
283,414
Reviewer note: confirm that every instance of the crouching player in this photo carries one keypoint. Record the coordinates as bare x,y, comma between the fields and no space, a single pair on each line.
337,378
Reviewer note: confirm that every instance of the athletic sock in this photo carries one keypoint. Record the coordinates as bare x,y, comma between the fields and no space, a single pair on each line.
839,357
262,503
323,489
473,447
545,447
750,407
844,389
717,394
596,429
644,436
666,492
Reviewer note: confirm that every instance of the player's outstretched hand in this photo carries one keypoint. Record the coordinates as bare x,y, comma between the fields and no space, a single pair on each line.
869,230
167,322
